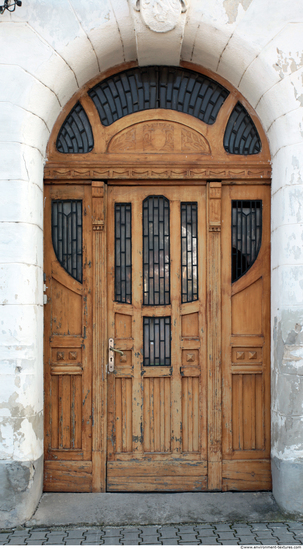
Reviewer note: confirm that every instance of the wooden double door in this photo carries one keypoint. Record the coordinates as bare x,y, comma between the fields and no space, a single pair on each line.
157,336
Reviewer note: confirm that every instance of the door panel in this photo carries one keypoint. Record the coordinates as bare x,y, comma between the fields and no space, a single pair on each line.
156,399
67,349
246,353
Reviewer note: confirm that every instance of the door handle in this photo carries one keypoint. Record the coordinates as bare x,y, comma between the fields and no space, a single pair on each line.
111,354
117,351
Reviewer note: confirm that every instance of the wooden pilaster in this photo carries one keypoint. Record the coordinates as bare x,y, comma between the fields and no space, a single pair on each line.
99,337
214,336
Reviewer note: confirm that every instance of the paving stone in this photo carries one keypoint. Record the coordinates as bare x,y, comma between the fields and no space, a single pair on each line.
35,543
186,529
169,542
40,535
223,527
77,532
229,542
206,532
287,539
130,542
131,530
245,539
16,540
188,536
167,532
208,540
264,534
112,540
55,539
276,524
243,531
295,524
75,542
181,543
258,526
225,535
150,539
239,525
3,537
201,526
94,537
297,532
150,530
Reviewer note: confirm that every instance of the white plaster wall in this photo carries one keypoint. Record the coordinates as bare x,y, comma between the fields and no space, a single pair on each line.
51,49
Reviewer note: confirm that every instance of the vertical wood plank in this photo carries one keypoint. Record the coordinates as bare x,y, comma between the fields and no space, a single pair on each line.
129,427
66,411
190,413
76,412
162,414
167,440
152,416
259,412
157,413
118,420
214,337
195,414
54,410
237,412
146,403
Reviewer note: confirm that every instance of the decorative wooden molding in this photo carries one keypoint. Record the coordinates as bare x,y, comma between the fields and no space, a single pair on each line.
54,172
214,336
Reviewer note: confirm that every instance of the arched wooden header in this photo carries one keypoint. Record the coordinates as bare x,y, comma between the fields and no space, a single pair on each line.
169,122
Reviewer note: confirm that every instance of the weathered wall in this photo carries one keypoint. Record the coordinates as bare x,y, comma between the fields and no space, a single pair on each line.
53,48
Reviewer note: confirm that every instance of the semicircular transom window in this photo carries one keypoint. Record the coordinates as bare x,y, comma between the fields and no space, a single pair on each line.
241,136
75,135
145,88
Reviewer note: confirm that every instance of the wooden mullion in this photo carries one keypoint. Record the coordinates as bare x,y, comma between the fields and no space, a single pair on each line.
214,337
99,337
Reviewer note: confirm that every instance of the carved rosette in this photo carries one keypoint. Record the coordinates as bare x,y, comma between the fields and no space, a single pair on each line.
161,15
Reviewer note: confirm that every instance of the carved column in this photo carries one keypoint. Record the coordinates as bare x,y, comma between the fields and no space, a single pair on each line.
99,336
214,336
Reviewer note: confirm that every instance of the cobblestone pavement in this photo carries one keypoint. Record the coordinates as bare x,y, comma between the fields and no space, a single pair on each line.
288,533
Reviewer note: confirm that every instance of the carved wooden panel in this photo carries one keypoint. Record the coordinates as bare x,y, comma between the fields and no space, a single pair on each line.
159,137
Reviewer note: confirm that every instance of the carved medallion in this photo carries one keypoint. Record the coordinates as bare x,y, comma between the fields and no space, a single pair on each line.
161,15
158,137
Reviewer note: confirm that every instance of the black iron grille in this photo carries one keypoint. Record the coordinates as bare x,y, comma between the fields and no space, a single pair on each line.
246,235
144,88
241,136
189,251
157,341
123,253
75,135
67,235
156,251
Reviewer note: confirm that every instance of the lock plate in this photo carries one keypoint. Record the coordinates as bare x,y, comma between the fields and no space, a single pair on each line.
111,355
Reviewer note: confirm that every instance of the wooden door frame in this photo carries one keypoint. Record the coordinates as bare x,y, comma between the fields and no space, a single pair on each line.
217,167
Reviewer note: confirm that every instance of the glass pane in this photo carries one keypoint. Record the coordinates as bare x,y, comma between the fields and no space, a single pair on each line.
189,251
156,251
67,235
123,253
157,341
246,235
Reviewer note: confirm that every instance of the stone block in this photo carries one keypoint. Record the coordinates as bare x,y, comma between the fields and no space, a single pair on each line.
22,243
287,241
21,201
21,284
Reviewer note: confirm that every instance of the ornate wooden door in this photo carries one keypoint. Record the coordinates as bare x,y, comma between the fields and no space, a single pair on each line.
157,431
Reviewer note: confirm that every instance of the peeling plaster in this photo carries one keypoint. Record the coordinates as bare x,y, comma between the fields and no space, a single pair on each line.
232,8
288,63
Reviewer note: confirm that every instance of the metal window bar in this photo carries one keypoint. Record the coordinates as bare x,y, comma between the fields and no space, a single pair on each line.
156,251
157,341
246,235
67,235
189,252
123,253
